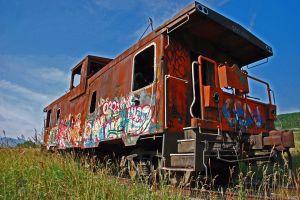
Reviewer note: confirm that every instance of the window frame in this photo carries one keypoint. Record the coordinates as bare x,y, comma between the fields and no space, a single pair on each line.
79,66
154,66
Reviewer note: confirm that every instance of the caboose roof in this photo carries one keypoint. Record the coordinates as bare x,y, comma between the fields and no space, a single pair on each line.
224,34
103,60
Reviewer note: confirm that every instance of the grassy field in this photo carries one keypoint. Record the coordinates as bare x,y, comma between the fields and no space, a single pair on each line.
28,173
288,121
32,174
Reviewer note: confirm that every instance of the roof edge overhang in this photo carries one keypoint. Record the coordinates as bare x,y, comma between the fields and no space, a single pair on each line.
256,49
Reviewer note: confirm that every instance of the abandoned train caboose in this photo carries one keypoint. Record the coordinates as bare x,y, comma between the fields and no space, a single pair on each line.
180,96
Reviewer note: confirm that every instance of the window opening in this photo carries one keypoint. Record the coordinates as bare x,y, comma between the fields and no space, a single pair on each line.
143,68
58,114
76,76
94,67
93,102
48,118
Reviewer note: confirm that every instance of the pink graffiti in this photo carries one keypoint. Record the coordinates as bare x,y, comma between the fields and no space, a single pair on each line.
118,119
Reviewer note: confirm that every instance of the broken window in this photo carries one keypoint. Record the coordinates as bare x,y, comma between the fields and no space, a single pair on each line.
143,68
76,76
94,67
93,102
57,114
48,119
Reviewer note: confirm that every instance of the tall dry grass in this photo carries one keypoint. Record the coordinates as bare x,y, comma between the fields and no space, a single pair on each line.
32,174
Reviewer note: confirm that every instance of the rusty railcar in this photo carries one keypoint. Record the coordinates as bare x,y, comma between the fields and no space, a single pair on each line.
180,96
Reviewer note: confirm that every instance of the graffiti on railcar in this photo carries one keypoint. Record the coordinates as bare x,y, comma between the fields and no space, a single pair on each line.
177,59
238,115
53,137
75,138
66,133
121,118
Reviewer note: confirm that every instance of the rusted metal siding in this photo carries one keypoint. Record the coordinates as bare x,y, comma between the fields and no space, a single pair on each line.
178,83
115,117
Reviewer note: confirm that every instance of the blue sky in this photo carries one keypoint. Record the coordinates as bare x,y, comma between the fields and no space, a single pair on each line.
40,41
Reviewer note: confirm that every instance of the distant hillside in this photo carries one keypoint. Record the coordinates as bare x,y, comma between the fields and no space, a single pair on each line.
289,120
10,142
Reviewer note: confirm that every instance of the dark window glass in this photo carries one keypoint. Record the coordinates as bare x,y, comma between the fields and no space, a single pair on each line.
93,102
143,68
48,118
57,114
94,67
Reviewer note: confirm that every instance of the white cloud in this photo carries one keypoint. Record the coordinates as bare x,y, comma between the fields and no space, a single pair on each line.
2,118
116,4
159,11
24,92
20,117
27,84
42,68
252,21
162,10
215,3
51,74
223,3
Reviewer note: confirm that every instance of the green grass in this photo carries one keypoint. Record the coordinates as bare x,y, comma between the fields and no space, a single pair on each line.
32,174
288,121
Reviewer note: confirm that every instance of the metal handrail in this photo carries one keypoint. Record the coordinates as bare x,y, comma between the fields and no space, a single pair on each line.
265,83
194,93
171,29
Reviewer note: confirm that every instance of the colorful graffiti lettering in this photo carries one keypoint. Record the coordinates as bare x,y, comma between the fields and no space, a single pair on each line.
256,116
120,118
66,133
112,119
236,114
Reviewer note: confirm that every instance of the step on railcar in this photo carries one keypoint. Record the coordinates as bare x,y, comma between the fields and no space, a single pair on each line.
179,96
